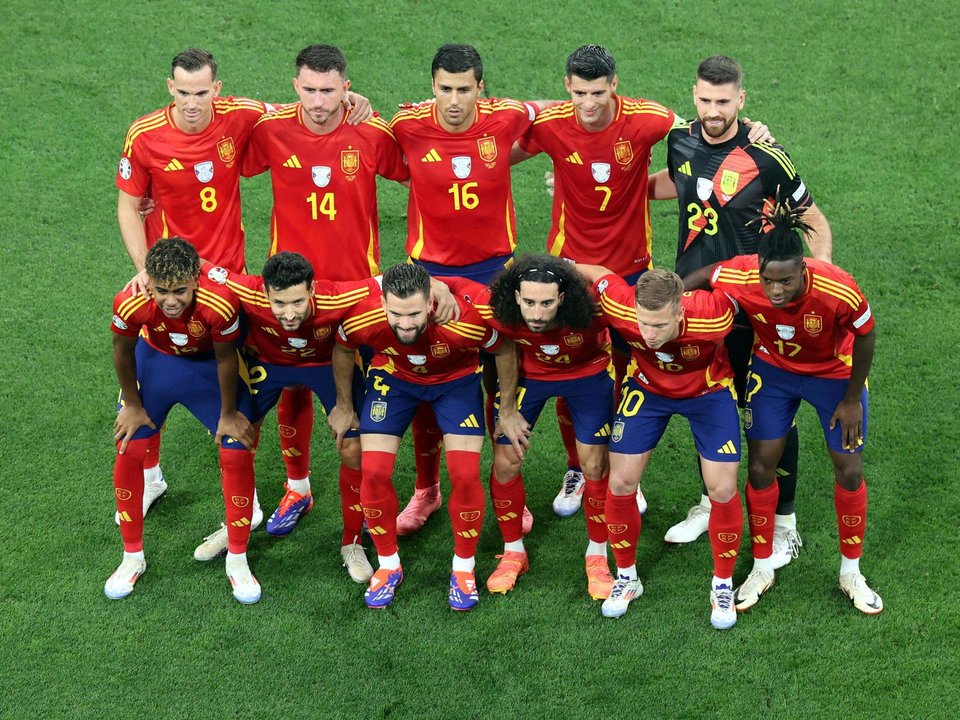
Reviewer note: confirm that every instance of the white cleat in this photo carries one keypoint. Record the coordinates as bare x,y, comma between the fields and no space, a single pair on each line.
624,590
641,502
688,530
786,546
151,492
356,563
854,586
568,500
723,613
246,589
124,578
215,544
756,584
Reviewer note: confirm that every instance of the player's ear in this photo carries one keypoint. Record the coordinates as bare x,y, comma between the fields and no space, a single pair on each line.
743,99
346,85
516,295
170,86
566,83
216,88
613,84
480,87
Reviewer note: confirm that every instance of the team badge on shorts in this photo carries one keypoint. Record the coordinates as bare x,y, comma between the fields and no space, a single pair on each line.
600,171
623,152
178,339
320,175
204,171
617,434
226,149
350,162
378,410
126,169
487,147
747,418
704,188
728,183
461,166
786,332
813,323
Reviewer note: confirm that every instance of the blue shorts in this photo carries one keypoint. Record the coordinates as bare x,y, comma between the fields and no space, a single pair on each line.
166,380
643,416
482,272
773,396
616,340
266,382
390,404
590,400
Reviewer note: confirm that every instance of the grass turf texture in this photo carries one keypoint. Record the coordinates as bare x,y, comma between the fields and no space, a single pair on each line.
859,95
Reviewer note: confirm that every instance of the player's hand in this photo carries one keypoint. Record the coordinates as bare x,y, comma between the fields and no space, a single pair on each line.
138,284
342,421
362,109
147,206
549,180
758,132
236,426
129,420
445,307
513,426
849,414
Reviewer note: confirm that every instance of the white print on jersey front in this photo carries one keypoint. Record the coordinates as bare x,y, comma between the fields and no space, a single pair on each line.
704,188
204,171
664,357
178,339
321,175
786,331
298,343
550,349
461,166
417,359
601,171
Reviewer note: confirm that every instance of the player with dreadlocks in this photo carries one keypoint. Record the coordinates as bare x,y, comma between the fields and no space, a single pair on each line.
543,305
814,341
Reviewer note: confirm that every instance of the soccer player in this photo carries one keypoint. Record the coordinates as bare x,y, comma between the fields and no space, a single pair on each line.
814,341
541,304
323,171
417,362
722,179
679,367
187,354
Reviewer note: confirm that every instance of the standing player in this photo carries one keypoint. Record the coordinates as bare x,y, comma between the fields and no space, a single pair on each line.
723,180
187,355
814,341
417,362
679,367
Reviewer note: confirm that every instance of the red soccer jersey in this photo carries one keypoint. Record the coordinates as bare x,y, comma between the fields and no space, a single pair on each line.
813,335
460,210
695,362
213,317
195,179
325,190
601,212
312,343
442,353
558,354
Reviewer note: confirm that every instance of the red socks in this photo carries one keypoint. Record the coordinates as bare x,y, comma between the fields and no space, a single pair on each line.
851,506
379,500
152,458
128,491
567,434
508,501
466,502
350,507
594,500
726,524
236,469
295,417
427,443
761,505
623,527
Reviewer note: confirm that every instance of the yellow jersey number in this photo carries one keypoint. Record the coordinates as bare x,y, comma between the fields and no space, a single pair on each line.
463,198
325,205
708,215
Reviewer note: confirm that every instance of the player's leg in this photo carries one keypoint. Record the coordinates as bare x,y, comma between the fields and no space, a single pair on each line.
568,500
426,498
295,416
623,528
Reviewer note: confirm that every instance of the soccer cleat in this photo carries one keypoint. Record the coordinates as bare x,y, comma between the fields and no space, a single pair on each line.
691,528
151,492
786,546
215,544
246,589
292,507
854,586
641,502
568,500
356,563
463,590
121,583
512,565
382,588
599,579
421,506
723,614
756,584
624,590
526,521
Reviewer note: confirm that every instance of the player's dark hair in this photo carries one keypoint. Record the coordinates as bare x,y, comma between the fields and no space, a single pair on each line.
193,59
658,288
591,62
577,309
404,279
782,240
172,261
322,58
720,70
286,270
457,59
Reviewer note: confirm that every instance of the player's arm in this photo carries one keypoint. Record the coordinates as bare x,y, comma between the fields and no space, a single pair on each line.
592,273
820,238
232,423
511,424
661,187
849,412
699,279
361,108
343,417
758,132
518,154
445,307
132,415
134,238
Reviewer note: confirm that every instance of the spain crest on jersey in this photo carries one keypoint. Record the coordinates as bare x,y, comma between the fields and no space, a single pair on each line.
487,147
204,171
440,350
378,410
320,175
813,323
600,171
350,161
461,165
747,418
729,181
322,333
196,328
690,352
226,149
574,340
623,152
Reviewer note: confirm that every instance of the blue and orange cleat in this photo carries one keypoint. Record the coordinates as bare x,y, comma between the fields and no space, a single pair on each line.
285,518
463,591
382,588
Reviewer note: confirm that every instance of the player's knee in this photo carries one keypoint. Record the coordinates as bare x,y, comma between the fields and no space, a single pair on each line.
350,453
592,468
849,476
620,485
761,474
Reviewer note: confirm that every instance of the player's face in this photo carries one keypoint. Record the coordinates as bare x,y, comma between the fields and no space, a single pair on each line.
659,327
193,94
593,100
321,94
290,306
539,304
407,317
717,108
456,95
173,298
783,281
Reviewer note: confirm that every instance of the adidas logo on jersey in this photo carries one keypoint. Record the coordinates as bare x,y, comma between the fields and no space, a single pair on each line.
574,159
685,169
292,162
432,156
728,448
173,165
470,422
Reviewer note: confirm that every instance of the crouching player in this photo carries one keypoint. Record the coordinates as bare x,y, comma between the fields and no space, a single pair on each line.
416,361
187,355
814,342
679,366
542,304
